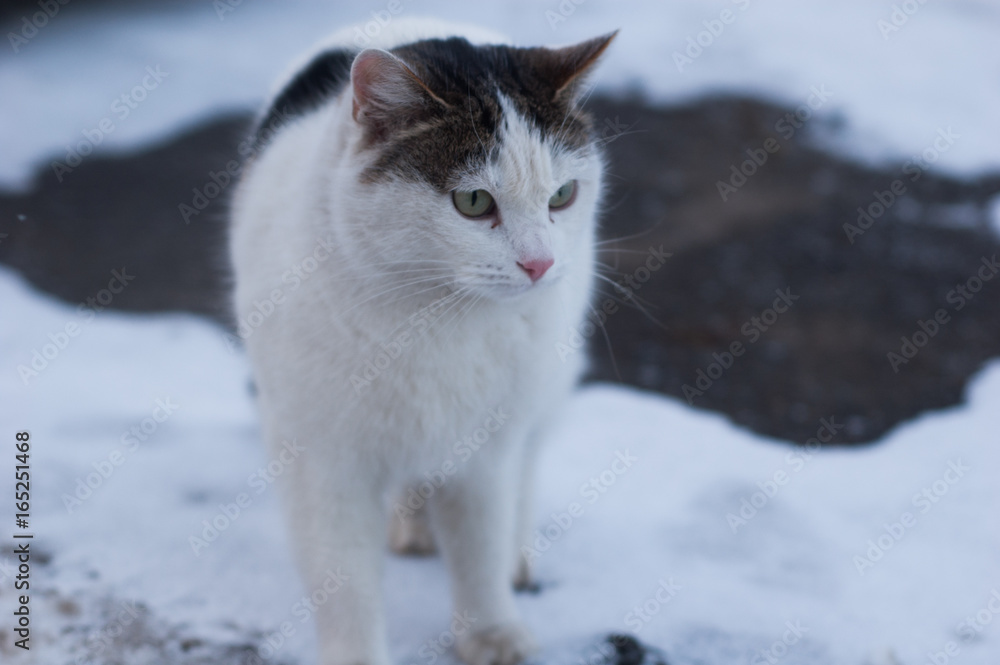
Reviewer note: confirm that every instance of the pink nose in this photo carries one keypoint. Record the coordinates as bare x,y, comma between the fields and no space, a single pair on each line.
536,267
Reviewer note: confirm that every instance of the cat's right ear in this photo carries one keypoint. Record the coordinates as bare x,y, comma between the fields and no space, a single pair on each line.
385,88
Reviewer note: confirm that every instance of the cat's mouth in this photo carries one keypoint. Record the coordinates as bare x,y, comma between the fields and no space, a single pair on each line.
511,286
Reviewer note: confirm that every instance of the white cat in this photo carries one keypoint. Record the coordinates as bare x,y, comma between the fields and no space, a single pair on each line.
411,242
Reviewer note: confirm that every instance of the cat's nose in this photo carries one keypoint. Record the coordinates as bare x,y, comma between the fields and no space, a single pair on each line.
537,267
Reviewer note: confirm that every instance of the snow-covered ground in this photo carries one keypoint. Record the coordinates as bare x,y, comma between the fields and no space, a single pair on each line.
143,426
896,71
655,519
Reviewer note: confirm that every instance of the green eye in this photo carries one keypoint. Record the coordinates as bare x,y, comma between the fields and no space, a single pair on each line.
477,203
563,196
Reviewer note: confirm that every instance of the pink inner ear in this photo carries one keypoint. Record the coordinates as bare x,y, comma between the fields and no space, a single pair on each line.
367,73
382,83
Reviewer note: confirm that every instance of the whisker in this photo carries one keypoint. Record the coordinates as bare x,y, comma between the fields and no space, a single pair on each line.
413,282
630,295
438,302
472,121
391,273
408,295
623,251
468,307
639,234
607,340
609,139
450,307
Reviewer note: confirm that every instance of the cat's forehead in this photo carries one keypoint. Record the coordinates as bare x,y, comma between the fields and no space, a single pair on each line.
487,90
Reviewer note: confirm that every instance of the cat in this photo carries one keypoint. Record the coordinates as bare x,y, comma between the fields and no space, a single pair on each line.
413,238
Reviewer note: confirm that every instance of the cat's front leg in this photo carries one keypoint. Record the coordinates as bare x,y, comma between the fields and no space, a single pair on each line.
339,527
524,579
474,517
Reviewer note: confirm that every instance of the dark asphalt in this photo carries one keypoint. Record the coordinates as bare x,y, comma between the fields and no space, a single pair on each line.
780,231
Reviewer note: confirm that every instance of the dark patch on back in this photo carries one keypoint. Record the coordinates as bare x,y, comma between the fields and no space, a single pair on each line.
436,142
322,79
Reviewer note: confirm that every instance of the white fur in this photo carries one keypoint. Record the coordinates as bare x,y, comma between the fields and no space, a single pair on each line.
493,348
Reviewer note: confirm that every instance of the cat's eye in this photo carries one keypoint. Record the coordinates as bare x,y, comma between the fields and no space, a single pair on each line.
563,196
477,203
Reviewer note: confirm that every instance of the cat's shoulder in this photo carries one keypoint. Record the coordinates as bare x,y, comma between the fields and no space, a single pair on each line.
325,70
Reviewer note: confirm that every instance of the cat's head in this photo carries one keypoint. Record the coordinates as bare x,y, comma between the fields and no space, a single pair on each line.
478,163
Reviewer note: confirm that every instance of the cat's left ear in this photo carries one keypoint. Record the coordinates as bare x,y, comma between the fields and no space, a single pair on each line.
384,87
565,68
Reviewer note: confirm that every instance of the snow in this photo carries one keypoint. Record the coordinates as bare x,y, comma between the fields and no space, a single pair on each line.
655,485
894,89
656,535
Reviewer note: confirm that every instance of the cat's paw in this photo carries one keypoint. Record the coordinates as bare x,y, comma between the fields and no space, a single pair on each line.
507,644
411,536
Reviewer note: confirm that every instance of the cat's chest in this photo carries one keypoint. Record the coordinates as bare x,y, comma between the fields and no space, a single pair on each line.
415,388
477,349
476,359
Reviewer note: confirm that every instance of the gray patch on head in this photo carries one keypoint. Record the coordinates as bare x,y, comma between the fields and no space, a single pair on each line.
436,142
